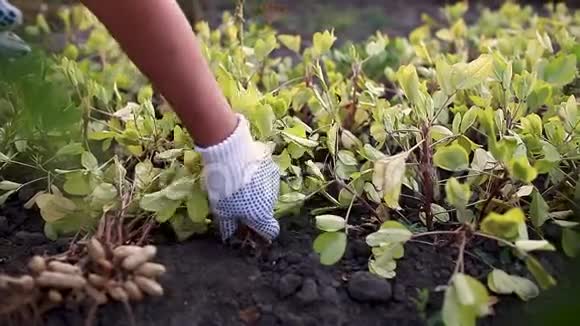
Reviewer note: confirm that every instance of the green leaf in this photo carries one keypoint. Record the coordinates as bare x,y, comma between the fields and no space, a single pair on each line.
505,225
465,300
103,195
322,42
570,242
532,124
440,214
348,140
503,283
156,202
77,183
376,47
390,231
388,176
54,207
534,245
292,42
409,81
443,70
144,174
458,194
439,132
283,160
544,279
451,158
168,211
469,119
569,113
264,119
538,209
465,76
300,140
4,158
560,71
523,85
331,138
180,188
9,185
264,46
330,246
521,170
70,149
185,228
170,154
330,223
4,197
197,206
89,161
347,157
314,169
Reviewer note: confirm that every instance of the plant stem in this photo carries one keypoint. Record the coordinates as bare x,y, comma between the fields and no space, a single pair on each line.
426,170
348,214
489,236
459,265
424,234
240,20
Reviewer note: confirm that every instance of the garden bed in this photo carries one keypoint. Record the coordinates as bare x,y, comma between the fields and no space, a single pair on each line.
209,283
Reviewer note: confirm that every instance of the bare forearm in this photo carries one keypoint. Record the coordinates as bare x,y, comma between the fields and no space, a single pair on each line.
157,37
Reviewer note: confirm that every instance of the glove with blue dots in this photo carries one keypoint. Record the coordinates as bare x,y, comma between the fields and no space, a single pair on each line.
10,16
242,182
10,43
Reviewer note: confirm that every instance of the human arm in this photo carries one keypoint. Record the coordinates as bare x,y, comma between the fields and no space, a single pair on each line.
240,176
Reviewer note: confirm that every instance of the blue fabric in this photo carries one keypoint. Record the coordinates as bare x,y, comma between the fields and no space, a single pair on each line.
253,205
10,16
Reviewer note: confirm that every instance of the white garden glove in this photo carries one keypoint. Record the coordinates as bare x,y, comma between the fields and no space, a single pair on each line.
242,182
10,16
10,43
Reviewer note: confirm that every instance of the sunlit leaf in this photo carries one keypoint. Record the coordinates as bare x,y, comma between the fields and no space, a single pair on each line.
534,245
543,278
452,158
322,42
54,207
179,189
570,242
560,70
89,161
9,185
538,209
458,194
197,206
503,283
330,223
504,225
388,176
390,231
291,41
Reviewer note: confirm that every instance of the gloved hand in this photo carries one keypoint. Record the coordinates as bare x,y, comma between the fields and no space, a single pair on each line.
242,182
10,18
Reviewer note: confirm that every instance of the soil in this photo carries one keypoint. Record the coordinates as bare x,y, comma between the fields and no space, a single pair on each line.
209,283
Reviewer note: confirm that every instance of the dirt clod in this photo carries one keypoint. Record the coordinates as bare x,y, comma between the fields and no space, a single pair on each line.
289,284
367,287
309,291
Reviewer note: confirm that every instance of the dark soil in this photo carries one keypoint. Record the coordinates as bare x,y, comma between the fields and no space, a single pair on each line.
212,284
